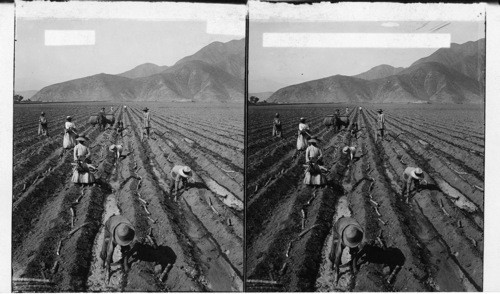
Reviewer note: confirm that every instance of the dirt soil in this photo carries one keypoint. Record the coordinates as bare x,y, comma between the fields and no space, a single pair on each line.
192,244
432,243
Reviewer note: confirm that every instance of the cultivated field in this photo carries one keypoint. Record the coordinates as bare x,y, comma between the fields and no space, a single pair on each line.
437,237
200,237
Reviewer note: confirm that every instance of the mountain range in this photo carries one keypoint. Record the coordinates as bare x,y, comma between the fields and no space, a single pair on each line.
215,73
449,75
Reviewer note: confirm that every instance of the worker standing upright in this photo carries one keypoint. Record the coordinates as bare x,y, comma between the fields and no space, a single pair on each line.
277,126
146,122
380,125
69,134
302,135
43,125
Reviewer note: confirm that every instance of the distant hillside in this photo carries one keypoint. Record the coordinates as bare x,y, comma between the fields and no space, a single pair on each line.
468,58
449,75
205,76
193,80
100,87
229,56
378,72
143,70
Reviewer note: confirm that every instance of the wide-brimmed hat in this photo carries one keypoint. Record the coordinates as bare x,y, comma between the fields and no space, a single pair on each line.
312,141
145,109
124,234
352,235
43,113
112,147
417,174
68,117
277,115
346,148
302,119
81,137
380,110
185,172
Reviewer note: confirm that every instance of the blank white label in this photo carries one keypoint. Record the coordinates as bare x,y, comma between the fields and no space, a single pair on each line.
356,40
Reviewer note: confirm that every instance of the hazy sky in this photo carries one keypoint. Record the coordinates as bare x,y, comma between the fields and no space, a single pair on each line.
286,66
120,45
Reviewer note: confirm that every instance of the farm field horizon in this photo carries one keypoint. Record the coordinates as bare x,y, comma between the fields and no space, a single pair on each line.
192,244
436,240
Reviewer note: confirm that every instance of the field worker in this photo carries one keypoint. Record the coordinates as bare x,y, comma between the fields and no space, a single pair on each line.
102,113
125,107
82,169
313,153
69,134
303,135
277,126
413,177
111,109
346,233
81,152
347,110
354,129
179,174
43,125
146,122
360,109
119,128
350,151
380,125
117,231
117,150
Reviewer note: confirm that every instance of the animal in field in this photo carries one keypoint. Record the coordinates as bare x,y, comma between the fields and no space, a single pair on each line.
337,122
102,122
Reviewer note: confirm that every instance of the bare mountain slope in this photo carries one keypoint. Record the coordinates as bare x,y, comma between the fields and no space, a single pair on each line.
229,56
143,70
449,75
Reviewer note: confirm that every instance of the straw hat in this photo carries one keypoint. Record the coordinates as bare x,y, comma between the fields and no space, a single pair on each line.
380,111
185,172
81,137
68,117
124,234
145,109
312,141
302,120
417,174
352,235
347,148
112,147
277,115
43,113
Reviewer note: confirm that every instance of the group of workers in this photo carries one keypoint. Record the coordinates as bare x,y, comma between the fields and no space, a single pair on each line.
347,231
118,229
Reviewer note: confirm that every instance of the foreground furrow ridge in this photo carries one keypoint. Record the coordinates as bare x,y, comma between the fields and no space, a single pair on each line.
285,244
62,257
441,273
211,270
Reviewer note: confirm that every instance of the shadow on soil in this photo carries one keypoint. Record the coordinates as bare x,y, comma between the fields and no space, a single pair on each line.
390,256
163,255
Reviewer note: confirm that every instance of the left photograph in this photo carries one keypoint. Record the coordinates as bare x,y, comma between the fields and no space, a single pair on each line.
128,147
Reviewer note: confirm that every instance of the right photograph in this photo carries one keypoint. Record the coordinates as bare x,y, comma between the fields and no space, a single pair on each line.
365,155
